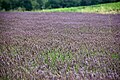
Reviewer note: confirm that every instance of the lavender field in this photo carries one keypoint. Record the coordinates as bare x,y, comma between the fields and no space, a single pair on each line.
59,46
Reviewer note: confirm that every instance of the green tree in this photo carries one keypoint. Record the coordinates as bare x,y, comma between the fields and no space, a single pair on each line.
26,4
69,3
43,4
53,3
5,4
40,2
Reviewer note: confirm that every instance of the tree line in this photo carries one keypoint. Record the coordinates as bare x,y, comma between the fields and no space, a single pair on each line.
46,4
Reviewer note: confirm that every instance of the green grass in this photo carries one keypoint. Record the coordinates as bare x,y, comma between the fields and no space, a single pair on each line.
100,8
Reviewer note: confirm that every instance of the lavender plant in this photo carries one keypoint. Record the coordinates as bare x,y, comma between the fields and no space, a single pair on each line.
59,46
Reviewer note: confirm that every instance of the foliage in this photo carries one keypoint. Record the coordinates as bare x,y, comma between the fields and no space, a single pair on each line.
46,4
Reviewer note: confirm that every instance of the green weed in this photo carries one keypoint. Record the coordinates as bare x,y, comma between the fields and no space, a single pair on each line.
115,56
